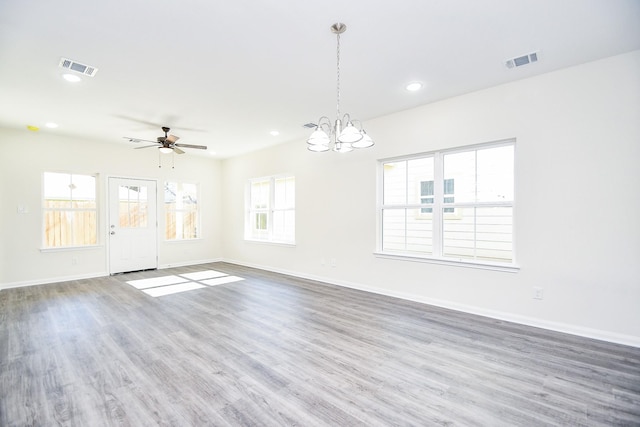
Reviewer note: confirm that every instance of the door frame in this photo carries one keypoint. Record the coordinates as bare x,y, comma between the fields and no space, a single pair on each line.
108,216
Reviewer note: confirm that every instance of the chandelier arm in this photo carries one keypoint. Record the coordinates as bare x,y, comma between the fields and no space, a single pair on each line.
357,124
327,128
324,123
325,118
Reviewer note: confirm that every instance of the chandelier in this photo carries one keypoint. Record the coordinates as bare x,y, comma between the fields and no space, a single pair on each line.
353,134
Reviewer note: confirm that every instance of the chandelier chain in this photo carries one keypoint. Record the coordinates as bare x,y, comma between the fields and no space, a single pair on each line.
338,77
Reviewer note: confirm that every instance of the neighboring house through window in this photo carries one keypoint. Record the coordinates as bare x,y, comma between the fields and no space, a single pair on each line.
270,209
70,210
426,194
454,205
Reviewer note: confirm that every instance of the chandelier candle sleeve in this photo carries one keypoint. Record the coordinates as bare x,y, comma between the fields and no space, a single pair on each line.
326,133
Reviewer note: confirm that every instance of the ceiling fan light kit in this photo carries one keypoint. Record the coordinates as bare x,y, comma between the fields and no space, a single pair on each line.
344,140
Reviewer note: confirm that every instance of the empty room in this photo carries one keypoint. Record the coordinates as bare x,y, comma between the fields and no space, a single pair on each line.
287,213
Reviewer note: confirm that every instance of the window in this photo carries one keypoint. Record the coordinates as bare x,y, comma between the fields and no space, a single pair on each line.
181,211
133,209
270,212
454,205
426,194
70,210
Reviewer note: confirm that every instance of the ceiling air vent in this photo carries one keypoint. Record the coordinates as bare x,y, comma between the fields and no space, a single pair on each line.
522,60
69,64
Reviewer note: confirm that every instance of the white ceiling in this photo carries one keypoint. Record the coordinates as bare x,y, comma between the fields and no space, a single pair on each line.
226,73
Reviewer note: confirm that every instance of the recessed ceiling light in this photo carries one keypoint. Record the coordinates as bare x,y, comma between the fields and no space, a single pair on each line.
413,86
71,78
213,153
51,125
274,133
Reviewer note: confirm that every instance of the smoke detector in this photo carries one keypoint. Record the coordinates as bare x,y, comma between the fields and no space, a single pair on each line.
70,64
519,61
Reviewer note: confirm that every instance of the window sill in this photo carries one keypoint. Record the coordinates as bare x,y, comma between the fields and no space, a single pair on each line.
270,242
509,268
71,248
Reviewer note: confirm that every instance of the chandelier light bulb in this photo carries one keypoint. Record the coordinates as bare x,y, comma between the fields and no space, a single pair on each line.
342,147
318,147
365,142
318,137
350,134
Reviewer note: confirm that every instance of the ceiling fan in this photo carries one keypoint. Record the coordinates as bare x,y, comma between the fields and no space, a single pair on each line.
167,143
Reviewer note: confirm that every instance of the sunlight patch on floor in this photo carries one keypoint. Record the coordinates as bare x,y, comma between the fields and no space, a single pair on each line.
167,285
157,281
207,274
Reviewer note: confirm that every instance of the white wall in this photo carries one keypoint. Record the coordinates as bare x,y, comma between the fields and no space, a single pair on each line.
577,202
26,155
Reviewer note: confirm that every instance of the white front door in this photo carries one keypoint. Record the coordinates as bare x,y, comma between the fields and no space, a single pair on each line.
133,225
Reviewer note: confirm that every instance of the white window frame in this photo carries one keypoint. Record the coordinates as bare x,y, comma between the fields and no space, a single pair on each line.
438,213
270,210
178,211
96,210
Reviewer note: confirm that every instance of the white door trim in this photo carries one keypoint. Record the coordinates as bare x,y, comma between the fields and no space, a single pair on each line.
154,217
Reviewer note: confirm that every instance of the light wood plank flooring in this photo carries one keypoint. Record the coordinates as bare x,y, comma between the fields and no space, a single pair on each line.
273,350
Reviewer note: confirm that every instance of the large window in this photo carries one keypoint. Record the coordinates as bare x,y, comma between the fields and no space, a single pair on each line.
181,211
270,209
454,205
70,210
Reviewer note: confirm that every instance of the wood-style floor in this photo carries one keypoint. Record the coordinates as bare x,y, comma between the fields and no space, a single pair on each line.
273,350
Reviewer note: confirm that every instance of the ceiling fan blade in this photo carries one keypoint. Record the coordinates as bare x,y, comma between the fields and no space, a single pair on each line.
146,146
167,119
136,140
172,138
133,119
177,150
199,147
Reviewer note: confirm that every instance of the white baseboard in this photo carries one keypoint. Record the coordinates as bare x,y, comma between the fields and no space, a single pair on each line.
90,275
52,280
577,330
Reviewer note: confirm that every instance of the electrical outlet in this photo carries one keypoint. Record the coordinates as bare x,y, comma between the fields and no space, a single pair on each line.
538,293
74,261
333,262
